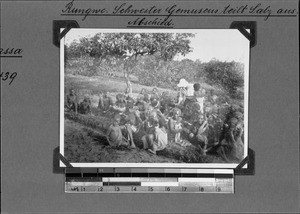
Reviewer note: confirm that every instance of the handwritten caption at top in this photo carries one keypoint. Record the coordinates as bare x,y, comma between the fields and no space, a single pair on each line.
155,15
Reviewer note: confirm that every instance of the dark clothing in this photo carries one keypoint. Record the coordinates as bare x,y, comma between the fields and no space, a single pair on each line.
72,102
85,107
105,103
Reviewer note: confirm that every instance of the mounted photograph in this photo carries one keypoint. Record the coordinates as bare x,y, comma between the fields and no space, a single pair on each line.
168,98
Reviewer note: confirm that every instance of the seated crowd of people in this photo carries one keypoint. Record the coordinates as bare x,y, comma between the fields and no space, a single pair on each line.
152,120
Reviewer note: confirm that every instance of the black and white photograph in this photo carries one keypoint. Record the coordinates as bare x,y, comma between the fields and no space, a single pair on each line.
154,98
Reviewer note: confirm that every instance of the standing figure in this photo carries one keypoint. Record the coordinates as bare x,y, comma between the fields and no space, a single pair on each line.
199,95
128,91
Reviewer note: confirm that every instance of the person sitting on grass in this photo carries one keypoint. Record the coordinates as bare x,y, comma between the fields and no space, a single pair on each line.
72,101
85,106
120,105
157,140
175,126
232,144
114,133
143,108
155,95
198,133
133,122
105,102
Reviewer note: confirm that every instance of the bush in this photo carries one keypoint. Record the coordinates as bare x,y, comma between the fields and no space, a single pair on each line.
228,75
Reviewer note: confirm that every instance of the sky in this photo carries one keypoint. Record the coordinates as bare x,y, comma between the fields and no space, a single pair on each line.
221,44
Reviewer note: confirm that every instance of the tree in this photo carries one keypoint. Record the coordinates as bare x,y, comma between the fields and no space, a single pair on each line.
128,47
228,75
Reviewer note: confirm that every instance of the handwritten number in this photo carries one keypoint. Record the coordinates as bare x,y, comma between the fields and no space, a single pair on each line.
12,77
7,75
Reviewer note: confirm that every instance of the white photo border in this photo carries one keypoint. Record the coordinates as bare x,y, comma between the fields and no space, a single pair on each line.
155,165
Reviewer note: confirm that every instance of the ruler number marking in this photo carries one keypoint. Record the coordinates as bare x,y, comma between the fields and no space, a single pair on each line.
74,189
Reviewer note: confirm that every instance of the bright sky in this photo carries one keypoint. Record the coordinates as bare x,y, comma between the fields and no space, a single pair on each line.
221,44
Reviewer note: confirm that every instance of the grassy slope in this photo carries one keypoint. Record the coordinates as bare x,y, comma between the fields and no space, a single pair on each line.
80,146
93,86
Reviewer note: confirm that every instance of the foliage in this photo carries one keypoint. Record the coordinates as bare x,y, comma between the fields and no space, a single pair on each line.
228,75
127,47
166,74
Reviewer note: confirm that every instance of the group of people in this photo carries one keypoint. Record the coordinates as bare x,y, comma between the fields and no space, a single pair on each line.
152,120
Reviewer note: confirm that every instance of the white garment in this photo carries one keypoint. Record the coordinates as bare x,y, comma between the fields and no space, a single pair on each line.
200,100
190,90
161,139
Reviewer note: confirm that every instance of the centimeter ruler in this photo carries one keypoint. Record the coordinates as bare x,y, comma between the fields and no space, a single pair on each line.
207,183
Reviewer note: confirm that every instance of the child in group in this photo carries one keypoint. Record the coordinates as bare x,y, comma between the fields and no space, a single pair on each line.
175,126
114,132
133,121
198,133
120,105
158,140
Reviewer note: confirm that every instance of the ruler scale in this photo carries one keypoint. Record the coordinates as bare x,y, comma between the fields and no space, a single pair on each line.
149,181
